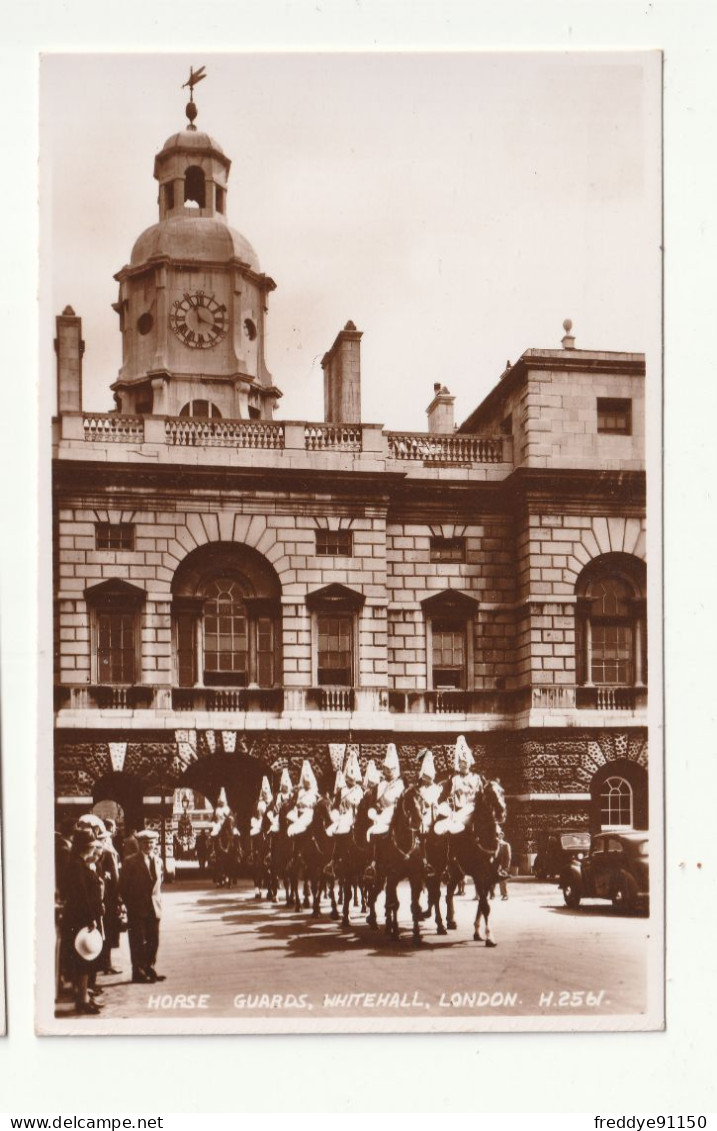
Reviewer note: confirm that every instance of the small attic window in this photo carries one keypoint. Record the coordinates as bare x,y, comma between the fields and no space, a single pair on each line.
220,198
194,187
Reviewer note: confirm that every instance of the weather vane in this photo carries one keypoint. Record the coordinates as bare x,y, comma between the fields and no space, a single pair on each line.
194,77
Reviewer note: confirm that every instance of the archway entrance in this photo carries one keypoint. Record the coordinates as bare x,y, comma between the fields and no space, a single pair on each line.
123,793
618,794
239,775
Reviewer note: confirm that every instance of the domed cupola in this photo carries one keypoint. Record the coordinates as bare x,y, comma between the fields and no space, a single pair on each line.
193,299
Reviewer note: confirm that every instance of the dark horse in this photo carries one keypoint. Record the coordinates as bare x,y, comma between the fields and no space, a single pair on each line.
351,858
399,856
313,850
226,853
473,853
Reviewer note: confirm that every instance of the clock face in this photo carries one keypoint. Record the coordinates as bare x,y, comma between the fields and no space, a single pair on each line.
198,320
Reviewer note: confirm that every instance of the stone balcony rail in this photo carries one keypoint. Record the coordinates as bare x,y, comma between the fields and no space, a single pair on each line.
333,437
147,436
191,432
434,448
113,428
288,700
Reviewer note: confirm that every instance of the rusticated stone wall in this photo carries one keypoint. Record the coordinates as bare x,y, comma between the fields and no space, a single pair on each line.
546,775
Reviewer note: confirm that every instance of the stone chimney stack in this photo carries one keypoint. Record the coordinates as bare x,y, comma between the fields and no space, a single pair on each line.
69,348
440,410
342,378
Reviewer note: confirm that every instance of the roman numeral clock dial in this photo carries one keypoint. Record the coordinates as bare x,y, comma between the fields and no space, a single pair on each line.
198,320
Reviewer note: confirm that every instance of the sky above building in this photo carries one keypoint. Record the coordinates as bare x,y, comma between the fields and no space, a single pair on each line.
456,206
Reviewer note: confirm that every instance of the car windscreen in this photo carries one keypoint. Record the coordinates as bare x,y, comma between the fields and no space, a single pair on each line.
575,840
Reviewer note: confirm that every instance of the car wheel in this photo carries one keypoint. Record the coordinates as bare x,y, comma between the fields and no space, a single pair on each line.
571,894
625,895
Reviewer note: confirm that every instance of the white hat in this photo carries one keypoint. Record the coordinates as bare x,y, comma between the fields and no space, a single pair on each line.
463,750
339,782
222,802
285,782
92,821
266,794
428,766
147,834
308,778
88,943
372,776
391,762
352,769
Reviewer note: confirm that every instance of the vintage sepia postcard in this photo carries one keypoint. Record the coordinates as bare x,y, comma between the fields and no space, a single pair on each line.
352,380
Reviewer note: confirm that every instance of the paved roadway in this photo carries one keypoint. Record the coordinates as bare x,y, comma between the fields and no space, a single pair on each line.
255,960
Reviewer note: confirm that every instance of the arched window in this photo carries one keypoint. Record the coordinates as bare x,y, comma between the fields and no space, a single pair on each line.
204,409
616,810
611,623
226,607
194,186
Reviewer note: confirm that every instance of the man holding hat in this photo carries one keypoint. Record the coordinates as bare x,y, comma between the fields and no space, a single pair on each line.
82,917
141,887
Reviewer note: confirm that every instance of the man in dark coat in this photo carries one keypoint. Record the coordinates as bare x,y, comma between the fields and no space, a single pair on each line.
141,889
82,909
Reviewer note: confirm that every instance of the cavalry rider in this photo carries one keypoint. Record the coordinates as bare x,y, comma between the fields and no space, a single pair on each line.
428,790
350,798
372,777
281,801
465,786
221,813
389,791
307,798
262,806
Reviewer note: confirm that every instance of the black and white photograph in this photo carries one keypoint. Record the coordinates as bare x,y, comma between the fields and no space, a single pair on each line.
351,371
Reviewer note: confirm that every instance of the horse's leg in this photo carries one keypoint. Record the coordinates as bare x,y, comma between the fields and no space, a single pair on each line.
450,908
345,900
434,899
392,906
484,911
416,910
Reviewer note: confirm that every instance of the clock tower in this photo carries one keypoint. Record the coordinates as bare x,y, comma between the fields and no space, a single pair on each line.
192,299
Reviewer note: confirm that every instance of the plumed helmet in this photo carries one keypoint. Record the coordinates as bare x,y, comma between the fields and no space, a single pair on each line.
339,782
352,770
308,778
428,766
390,762
372,776
266,794
222,803
285,785
462,754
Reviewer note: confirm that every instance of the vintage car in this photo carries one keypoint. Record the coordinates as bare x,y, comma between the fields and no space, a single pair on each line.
616,868
557,848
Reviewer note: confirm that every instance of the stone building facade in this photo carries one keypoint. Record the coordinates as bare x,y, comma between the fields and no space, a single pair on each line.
235,593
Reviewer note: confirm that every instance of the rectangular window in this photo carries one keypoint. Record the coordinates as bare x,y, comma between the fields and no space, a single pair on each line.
114,535
449,654
265,652
226,647
612,654
335,659
116,647
448,550
334,543
614,416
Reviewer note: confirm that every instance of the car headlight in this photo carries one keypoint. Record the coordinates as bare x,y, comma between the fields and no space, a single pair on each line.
580,856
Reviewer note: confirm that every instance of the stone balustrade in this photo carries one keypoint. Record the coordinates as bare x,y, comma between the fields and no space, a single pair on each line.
360,440
456,448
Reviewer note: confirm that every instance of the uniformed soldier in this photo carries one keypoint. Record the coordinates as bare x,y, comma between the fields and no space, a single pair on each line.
372,777
350,798
282,799
221,812
262,806
389,791
465,785
429,791
306,800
